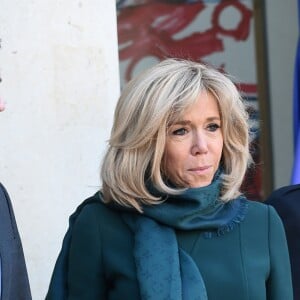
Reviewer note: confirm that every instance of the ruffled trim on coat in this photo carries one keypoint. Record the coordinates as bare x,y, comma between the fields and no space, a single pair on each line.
240,216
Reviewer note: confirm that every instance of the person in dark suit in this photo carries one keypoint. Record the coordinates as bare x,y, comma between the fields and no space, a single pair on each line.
14,284
286,201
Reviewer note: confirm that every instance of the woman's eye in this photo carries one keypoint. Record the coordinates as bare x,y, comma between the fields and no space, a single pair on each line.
213,127
180,131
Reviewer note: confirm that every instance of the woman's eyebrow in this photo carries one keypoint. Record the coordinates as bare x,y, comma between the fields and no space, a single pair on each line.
182,122
210,119
188,122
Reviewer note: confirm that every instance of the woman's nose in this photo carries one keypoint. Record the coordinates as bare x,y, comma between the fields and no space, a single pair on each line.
199,145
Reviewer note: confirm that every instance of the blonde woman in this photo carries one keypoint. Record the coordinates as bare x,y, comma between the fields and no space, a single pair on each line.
169,221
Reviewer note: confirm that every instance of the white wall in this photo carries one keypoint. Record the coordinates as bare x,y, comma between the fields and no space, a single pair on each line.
59,67
282,34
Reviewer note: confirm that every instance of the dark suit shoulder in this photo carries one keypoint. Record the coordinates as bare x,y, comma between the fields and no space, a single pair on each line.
7,217
15,283
286,192
286,201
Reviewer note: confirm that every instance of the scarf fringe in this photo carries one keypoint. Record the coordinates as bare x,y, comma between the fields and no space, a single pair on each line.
232,224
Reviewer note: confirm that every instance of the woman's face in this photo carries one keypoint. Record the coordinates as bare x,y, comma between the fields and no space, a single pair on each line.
194,144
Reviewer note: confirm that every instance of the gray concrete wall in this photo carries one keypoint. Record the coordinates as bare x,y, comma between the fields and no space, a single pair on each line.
282,34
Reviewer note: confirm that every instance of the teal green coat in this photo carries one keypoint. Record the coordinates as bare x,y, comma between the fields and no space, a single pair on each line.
249,262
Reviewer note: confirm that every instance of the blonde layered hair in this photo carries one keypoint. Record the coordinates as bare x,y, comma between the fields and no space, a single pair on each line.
147,106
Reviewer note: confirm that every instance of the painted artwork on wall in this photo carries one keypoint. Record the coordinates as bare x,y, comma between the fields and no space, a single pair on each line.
220,33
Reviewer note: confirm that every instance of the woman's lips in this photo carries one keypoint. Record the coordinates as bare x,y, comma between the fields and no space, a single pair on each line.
199,170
